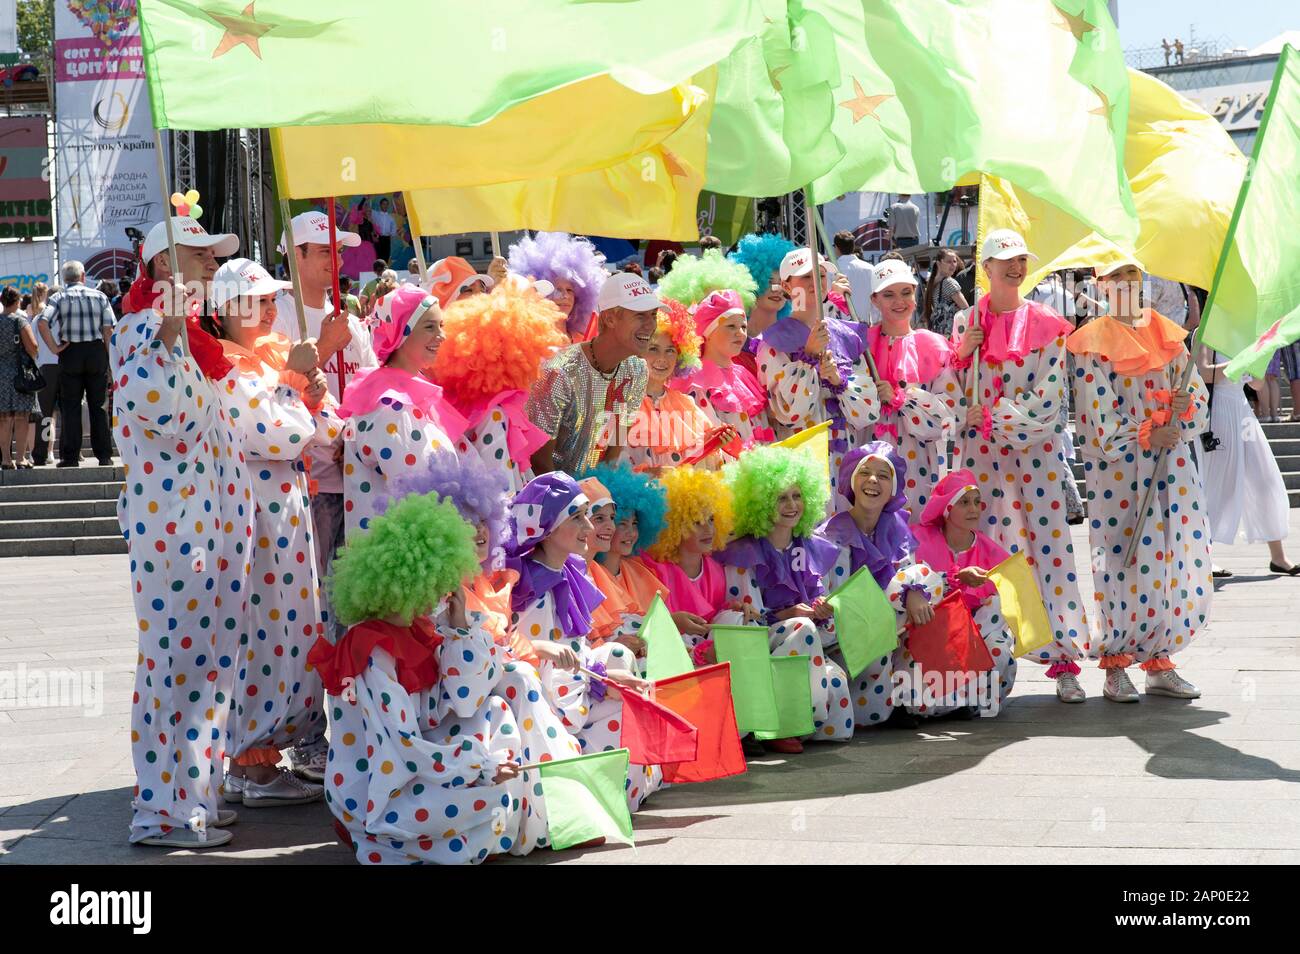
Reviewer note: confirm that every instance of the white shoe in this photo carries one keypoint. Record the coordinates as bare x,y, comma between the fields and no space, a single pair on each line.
310,760
1169,683
232,790
1119,687
285,789
184,838
1068,688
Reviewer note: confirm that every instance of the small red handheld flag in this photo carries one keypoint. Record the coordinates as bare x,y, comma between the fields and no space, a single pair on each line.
654,734
704,697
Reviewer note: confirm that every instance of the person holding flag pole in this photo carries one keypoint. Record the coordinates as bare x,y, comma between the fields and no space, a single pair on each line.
1013,449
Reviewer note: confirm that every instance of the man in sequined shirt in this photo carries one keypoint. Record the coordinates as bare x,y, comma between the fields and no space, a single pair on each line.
587,384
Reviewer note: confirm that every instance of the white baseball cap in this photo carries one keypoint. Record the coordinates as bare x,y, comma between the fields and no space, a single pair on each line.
891,272
625,290
314,228
1003,244
188,232
798,261
1104,270
243,276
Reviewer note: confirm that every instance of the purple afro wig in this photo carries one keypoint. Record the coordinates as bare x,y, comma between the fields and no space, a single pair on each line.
552,255
480,493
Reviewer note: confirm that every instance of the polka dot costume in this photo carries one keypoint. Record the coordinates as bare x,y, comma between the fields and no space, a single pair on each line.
186,512
489,437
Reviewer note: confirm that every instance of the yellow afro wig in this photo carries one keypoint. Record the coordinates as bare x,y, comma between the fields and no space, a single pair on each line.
496,342
693,495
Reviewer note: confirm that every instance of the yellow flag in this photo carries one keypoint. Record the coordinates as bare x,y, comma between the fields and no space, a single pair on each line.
652,194
816,441
588,125
1022,604
1184,171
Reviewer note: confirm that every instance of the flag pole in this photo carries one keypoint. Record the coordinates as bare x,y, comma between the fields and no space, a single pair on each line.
496,244
1140,518
334,284
417,238
173,259
811,227
291,253
826,246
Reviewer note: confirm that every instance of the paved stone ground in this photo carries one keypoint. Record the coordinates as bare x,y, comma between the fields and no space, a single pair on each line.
1212,781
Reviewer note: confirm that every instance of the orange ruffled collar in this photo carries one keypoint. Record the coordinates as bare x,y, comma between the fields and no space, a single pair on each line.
1131,349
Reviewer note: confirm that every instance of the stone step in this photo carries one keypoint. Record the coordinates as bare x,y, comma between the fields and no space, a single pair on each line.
62,475
20,493
62,546
57,509
75,527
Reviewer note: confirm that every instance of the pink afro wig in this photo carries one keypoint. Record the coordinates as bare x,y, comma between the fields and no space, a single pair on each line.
552,255
496,342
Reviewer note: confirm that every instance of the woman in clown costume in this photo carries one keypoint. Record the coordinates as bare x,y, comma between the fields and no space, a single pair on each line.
812,366
950,542
777,566
920,396
1010,441
395,415
279,401
1129,364
871,531
553,600
573,268
494,349
479,494
424,756
186,512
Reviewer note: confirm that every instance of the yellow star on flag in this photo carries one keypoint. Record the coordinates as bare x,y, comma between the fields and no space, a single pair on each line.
862,105
1075,23
1104,109
772,75
242,30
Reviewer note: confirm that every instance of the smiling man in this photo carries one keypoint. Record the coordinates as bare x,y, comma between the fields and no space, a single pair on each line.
586,383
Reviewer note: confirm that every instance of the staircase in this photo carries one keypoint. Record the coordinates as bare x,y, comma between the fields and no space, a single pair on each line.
67,511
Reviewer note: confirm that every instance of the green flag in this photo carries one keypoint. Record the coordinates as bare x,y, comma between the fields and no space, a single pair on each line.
1033,91
665,653
1254,306
865,623
585,799
793,693
745,647
235,63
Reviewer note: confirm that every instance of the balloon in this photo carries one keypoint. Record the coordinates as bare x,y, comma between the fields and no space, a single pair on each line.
192,197
196,211
182,209
177,199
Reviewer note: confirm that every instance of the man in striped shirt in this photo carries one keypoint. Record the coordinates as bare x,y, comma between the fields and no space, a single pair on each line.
82,318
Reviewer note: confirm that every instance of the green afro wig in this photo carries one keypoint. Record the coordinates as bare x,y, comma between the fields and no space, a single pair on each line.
420,550
692,279
760,476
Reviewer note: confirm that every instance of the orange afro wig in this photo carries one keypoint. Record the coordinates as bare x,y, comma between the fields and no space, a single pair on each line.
496,342
678,324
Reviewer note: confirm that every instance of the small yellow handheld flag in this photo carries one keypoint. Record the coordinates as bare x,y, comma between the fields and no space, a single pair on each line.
1022,604
815,440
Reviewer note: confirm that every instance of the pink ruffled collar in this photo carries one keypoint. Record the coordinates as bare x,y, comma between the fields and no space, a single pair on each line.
916,357
1014,334
371,385
523,437
731,389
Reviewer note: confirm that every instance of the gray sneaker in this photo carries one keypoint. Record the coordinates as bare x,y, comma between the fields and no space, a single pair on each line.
285,789
1169,683
1119,687
232,790
310,759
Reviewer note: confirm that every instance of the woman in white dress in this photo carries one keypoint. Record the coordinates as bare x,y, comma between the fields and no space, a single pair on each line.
1244,491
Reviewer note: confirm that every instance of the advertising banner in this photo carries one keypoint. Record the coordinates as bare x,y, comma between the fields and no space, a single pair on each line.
25,210
23,264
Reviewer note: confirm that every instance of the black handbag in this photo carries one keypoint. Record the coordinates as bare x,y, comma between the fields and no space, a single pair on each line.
29,379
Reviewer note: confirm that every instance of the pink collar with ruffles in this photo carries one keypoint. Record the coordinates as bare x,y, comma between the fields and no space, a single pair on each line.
1014,334
372,384
732,389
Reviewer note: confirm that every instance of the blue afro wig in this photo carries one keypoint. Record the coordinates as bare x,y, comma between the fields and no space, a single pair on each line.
761,254
635,494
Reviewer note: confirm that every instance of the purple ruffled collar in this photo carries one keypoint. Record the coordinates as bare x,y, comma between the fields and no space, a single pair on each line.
880,551
782,584
575,595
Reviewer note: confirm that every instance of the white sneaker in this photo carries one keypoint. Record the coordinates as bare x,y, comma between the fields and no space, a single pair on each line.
184,838
285,789
1068,688
232,790
310,760
1169,683
1119,687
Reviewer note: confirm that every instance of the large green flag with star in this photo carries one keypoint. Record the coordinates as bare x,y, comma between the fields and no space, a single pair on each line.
1254,306
911,96
215,64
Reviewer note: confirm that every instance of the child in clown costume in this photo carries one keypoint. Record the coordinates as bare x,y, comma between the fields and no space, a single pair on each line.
812,366
761,255
279,401
553,600
424,756
639,507
616,618
1010,441
871,531
186,512
1129,365
479,494
494,350
950,542
396,416
920,396
777,565
723,388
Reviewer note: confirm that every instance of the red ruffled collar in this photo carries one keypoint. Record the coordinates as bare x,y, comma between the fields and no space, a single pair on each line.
414,649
